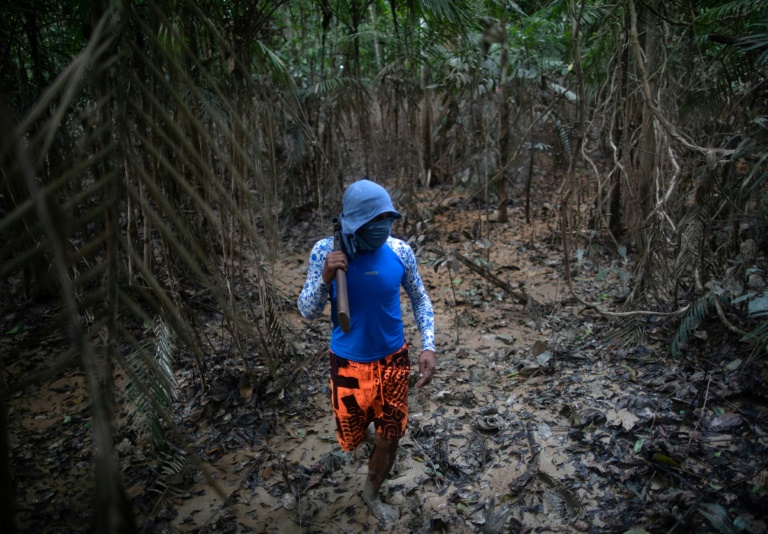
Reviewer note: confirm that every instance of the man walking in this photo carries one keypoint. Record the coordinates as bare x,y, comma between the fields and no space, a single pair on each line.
370,364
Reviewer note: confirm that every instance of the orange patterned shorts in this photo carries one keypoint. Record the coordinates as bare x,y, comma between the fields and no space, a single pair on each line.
372,391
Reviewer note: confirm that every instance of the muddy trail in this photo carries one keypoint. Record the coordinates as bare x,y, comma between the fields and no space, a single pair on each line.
540,418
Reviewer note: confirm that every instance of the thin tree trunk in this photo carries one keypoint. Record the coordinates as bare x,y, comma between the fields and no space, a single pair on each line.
529,177
426,125
129,212
7,497
376,46
616,216
647,148
33,36
575,12
504,124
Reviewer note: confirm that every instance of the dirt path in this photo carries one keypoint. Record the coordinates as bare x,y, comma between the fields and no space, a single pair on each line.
532,422
488,423
467,441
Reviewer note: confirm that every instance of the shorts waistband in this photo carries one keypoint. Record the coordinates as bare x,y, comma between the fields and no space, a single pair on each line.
386,360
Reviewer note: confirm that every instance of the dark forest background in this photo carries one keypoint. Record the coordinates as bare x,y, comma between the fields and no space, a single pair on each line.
149,147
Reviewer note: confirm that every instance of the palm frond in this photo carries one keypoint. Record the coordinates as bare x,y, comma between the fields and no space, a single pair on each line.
758,41
726,77
628,332
333,87
455,16
273,68
130,184
729,9
691,321
274,332
208,103
754,147
170,482
152,366
563,135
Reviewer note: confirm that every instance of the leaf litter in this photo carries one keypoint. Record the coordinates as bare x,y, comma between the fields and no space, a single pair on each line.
536,420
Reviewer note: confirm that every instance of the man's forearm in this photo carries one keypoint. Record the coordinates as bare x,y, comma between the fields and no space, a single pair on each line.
313,299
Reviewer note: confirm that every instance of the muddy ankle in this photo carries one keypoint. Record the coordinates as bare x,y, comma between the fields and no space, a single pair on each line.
369,493
380,510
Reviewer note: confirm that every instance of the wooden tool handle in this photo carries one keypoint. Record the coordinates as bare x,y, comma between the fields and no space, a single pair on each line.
342,298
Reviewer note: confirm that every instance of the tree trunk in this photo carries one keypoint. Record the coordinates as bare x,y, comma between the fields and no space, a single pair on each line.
376,45
616,215
33,36
426,126
7,498
504,123
646,161
529,177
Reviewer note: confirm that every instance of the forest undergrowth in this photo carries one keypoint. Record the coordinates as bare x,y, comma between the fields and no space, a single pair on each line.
539,419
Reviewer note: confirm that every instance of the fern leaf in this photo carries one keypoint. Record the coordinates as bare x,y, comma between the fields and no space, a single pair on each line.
691,321
562,134
170,481
153,382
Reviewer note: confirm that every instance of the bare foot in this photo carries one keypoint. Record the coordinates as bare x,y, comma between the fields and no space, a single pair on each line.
385,513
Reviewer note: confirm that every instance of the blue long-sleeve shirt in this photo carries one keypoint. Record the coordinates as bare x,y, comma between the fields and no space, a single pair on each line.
373,283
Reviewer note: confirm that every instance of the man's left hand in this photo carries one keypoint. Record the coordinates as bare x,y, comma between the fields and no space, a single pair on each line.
427,367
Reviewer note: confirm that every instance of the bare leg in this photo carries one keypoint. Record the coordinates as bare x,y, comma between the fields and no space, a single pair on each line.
379,465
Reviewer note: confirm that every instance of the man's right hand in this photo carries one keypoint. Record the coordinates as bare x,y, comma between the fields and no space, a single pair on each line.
333,261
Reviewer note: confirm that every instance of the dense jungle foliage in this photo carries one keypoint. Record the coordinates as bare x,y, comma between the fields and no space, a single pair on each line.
150,147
